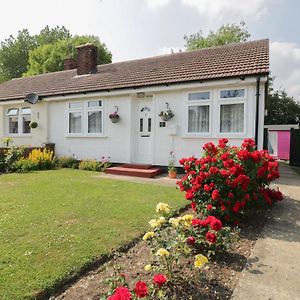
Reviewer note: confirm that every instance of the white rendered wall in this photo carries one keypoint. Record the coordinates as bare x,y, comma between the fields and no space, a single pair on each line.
119,139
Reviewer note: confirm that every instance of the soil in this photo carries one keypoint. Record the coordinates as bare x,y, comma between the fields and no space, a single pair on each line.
217,282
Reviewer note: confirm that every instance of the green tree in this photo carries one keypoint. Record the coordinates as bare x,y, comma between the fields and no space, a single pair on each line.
226,34
14,51
50,57
281,109
14,55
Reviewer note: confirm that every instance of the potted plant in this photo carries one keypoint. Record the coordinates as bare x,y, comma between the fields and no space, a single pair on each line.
33,124
166,115
171,166
114,117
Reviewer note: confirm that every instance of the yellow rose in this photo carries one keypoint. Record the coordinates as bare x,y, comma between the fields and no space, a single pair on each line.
187,220
148,267
162,207
154,223
161,220
175,222
200,261
148,235
162,252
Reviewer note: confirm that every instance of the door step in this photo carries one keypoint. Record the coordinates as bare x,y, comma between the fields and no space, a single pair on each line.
145,171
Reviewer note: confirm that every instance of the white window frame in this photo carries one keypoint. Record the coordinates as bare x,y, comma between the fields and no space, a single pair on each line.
84,110
19,115
229,101
201,102
94,109
74,110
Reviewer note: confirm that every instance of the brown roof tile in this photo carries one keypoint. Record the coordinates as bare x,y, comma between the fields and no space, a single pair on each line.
220,62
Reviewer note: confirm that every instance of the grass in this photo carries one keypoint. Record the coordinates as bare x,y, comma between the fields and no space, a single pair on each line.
52,223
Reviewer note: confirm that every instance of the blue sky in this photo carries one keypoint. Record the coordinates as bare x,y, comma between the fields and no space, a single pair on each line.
140,28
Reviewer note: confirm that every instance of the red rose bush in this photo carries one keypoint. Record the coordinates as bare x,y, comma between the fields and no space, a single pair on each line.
228,181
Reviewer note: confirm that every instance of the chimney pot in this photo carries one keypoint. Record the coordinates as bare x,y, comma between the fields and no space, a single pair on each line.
86,59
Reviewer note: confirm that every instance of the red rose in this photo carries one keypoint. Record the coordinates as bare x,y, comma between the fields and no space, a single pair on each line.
213,170
189,195
216,225
206,187
236,207
196,222
141,289
244,154
191,240
209,207
230,195
215,195
160,279
121,293
194,206
210,237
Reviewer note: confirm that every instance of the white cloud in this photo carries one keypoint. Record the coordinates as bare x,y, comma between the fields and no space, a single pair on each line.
228,8
155,4
285,66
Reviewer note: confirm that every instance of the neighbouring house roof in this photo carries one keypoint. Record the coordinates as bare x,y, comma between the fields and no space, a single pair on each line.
242,59
281,127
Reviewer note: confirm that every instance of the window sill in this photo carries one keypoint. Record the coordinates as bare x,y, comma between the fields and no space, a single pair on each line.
85,136
196,135
25,135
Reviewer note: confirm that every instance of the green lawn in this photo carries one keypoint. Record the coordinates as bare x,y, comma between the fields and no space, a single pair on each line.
54,222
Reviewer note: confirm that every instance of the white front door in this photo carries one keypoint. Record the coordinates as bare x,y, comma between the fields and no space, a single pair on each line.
144,130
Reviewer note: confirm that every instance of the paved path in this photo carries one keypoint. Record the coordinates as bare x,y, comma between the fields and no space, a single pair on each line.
272,271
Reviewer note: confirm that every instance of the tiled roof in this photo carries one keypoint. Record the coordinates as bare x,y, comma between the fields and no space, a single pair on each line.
233,60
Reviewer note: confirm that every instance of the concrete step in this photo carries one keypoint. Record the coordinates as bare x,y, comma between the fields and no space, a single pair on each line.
137,166
136,172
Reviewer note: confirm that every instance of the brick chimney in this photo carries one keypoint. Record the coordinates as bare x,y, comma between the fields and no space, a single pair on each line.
86,59
70,63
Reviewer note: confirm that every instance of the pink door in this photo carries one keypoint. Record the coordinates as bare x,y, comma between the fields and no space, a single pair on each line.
283,144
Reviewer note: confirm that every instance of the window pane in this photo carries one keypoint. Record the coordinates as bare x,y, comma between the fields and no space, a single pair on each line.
199,96
25,124
198,119
94,103
26,111
75,105
232,93
141,125
75,122
232,118
149,124
95,122
12,112
13,125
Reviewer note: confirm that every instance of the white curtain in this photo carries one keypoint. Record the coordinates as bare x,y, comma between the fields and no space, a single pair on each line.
232,118
94,122
75,122
198,118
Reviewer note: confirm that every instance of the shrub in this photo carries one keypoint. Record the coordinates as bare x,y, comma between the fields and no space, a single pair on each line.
93,165
228,181
24,165
11,156
67,162
42,159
